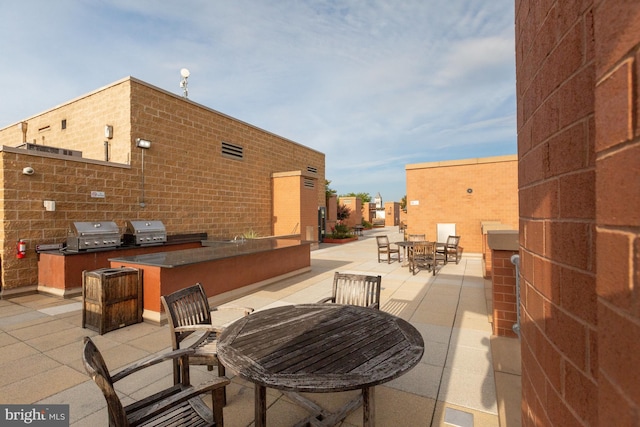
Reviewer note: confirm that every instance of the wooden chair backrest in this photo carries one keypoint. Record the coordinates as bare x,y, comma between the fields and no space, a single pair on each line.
382,241
452,242
97,368
357,289
186,307
417,237
424,249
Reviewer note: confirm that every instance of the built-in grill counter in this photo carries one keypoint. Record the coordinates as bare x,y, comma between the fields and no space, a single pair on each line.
84,236
90,245
145,233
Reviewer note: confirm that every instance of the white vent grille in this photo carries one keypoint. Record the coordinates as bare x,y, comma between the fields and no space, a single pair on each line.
309,183
232,151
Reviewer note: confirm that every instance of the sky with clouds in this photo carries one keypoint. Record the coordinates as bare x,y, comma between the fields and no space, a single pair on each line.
375,85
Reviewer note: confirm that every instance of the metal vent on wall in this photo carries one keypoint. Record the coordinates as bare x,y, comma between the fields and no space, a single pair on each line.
232,151
309,183
311,169
51,150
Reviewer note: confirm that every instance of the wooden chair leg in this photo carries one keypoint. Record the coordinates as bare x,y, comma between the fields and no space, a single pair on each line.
221,373
218,401
176,372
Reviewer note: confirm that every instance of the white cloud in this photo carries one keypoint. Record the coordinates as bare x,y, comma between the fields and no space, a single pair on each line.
374,85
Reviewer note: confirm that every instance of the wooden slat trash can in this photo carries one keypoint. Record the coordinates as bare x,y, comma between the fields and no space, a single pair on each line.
111,298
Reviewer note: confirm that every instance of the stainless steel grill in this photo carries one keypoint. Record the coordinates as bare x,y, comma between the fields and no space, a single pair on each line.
93,235
145,233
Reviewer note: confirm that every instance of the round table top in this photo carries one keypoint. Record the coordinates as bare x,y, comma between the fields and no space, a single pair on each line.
320,347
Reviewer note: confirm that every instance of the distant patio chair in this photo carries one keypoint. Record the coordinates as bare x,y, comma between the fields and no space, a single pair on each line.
417,237
424,255
451,249
384,248
355,289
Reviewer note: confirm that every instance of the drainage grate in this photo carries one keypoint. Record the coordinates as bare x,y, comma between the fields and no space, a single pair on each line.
458,418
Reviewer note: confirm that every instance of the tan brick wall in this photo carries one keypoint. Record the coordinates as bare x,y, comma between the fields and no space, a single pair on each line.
86,118
188,184
392,214
355,204
295,206
437,193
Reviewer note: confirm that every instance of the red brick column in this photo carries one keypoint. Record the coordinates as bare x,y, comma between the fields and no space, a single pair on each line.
556,80
617,151
503,283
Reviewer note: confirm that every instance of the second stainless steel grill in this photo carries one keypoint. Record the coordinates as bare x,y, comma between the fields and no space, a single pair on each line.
145,233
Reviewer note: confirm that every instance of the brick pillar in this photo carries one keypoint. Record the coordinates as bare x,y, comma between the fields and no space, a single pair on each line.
617,151
555,83
503,283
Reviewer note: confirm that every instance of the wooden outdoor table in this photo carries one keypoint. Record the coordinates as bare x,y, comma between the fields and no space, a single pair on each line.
320,348
404,244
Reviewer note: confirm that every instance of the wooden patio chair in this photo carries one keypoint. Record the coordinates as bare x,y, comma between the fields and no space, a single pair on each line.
179,405
384,247
188,312
355,289
424,255
417,237
451,249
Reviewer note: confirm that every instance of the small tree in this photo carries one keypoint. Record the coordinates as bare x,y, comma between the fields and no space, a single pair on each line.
341,230
344,212
364,197
328,190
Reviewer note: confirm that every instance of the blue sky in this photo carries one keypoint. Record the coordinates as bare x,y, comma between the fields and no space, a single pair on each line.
375,85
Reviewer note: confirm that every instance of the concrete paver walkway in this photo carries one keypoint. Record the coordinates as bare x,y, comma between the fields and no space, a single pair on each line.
459,382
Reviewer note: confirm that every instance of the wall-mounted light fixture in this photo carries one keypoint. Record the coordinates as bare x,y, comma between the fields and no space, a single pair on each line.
469,190
143,143
28,171
108,131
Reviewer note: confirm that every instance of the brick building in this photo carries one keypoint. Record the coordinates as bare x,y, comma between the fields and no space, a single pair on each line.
579,169
204,172
465,193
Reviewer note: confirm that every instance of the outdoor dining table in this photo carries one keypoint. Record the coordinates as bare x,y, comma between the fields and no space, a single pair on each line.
404,244
320,348
407,244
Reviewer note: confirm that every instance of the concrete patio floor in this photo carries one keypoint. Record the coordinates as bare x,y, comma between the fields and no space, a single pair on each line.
466,377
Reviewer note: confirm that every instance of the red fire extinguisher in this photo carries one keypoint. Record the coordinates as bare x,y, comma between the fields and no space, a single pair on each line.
21,248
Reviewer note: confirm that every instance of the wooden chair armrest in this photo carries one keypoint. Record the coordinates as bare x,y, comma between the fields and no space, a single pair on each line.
176,354
199,328
327,299
158,404
374,305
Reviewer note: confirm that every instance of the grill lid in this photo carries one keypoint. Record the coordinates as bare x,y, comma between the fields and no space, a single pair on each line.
142,227
94,228
145,233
